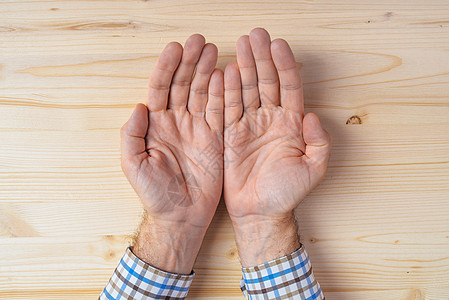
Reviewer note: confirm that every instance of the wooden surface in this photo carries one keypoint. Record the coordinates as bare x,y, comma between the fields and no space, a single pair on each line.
71,71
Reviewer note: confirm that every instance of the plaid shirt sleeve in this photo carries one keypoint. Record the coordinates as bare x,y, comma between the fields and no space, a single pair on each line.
134,279
288,277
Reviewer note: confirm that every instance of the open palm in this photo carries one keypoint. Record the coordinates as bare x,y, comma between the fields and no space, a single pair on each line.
172,151
274,156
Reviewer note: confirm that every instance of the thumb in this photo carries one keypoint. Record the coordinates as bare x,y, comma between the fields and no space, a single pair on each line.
318,145
133,135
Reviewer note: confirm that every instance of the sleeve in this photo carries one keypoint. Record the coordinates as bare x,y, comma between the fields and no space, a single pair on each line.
134,279
288,277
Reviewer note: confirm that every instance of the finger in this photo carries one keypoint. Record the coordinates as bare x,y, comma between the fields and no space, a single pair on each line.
248,73
162,75
198,89
289,77
233,95
268,81
214,108
180,85
318,145
133,137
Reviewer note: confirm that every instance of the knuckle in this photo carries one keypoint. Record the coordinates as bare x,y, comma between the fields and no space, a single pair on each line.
181,82
218,111
123,130
200,91
234,104
291,86
216,94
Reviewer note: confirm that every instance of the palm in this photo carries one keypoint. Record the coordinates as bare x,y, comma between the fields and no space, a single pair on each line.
172,151
265,155
274,155
184,165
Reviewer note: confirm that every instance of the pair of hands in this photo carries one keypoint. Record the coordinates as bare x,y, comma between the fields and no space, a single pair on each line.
242,132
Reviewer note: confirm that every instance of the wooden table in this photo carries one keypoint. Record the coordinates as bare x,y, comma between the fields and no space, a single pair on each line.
71,71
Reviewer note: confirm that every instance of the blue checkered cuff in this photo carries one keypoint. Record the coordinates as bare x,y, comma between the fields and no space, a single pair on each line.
288,277
134,279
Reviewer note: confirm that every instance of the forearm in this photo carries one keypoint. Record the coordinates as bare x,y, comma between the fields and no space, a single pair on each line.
274,264
262,239
163,251
168,246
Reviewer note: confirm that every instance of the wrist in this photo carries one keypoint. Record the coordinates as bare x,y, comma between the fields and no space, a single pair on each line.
168,246
261,239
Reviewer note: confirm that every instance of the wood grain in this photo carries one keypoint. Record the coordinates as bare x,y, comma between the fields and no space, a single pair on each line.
71,71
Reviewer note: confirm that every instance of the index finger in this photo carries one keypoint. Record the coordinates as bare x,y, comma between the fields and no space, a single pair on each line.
289,77
161,77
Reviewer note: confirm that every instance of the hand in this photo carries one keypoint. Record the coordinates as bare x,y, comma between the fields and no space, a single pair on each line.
274,155
172,154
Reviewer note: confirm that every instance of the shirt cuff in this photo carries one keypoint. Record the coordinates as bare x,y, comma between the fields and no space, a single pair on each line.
288,277
135,279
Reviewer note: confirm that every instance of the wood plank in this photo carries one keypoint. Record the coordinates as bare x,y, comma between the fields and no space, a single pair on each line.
377,227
